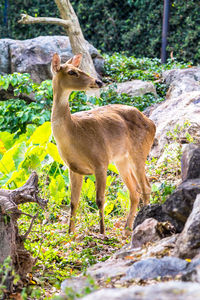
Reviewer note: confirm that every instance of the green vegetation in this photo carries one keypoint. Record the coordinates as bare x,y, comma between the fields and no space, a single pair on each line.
135,25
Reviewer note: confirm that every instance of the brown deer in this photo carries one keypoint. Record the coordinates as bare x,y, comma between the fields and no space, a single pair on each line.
88,141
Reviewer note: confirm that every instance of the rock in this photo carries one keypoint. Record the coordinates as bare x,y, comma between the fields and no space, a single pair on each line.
188,243
174,290
150,231
136,88
175,111
77,285
190,162
144,233
109,269
153,211
176,208
117,266
5,67
179,205
34,55
151,268
192,275
182,81
132,88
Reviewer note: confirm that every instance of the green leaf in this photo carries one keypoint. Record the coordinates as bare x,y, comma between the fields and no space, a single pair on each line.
42,134
53,151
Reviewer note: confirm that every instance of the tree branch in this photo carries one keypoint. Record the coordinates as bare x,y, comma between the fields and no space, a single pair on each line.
10,199
26,19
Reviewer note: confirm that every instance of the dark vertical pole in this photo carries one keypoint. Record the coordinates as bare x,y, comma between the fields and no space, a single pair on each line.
5,20
5,13
165,30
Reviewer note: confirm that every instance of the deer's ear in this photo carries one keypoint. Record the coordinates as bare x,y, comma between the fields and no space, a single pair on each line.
76,60
55,64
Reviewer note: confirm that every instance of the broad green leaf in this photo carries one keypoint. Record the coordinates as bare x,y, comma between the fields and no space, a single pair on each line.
18,178
42,134
19,155
7,163
33,157
53,151
7,138
57,188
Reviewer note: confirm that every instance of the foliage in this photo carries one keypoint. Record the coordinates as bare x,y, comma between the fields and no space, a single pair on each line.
121,67
15,114
135,25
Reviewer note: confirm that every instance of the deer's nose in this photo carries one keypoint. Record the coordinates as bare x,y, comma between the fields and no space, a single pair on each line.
99,83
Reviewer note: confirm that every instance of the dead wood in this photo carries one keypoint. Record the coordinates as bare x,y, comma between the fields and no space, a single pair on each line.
11,242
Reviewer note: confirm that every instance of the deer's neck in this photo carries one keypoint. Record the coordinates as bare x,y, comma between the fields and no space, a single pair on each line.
60,109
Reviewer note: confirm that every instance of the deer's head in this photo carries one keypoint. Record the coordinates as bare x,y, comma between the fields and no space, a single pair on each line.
70,76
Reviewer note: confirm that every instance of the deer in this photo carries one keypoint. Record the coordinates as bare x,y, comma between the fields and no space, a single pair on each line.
88,141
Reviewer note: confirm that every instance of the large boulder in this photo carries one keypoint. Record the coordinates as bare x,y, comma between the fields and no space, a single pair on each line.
190,162
175,111
182,104
34,55
132,88
188,242
151,268
181,81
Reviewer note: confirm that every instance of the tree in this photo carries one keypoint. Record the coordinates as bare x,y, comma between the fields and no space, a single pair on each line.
72,27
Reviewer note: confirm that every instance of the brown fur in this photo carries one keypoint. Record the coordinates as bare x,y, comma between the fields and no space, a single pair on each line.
89,141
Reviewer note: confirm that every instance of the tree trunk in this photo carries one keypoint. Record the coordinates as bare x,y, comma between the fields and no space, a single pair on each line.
11,243
72,27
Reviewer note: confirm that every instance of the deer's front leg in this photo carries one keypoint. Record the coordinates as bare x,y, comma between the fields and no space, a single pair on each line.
100,195
76,181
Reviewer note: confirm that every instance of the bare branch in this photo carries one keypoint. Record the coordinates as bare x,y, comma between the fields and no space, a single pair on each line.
30,227
26,19
9,199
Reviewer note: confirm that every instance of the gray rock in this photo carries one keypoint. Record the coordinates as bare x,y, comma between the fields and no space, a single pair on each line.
34,55
174,290
188,242
150,231
109,269
179,204
190,162
182,81
153,211
192,275
132,88
144,233
153,267
176,110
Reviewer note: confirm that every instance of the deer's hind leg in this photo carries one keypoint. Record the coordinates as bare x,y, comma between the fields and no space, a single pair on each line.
76,181
140,174
101,174
127,174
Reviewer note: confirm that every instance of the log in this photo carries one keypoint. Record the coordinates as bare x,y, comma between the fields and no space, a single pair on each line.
11,242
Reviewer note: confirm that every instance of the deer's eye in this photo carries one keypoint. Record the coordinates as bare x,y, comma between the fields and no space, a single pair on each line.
72,73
